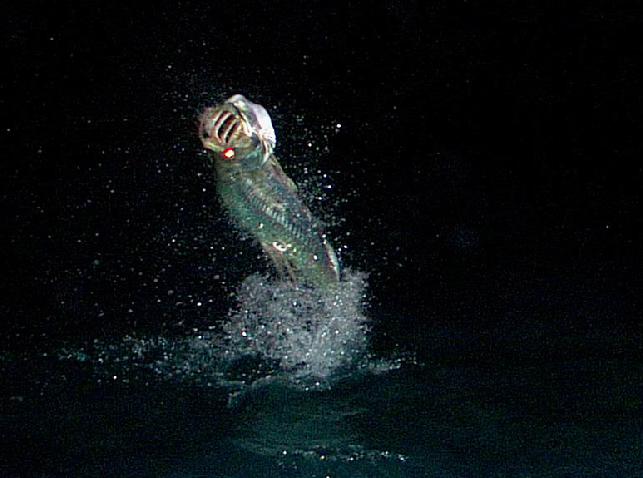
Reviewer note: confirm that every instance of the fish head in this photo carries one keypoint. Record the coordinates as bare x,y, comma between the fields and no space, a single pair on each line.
238,131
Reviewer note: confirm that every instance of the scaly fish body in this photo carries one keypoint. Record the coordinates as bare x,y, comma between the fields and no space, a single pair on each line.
261,198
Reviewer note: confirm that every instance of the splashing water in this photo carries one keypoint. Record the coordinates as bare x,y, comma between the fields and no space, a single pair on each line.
309,333
306,337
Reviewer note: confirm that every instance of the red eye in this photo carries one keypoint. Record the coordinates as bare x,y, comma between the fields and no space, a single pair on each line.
228,153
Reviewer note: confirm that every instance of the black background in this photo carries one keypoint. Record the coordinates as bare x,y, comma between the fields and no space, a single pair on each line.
488,168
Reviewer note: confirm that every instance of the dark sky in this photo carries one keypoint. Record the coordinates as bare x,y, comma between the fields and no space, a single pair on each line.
489,157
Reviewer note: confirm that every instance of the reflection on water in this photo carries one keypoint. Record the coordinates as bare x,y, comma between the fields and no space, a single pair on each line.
281,430
311,432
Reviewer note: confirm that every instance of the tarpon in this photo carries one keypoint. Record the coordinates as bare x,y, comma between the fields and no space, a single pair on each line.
260,198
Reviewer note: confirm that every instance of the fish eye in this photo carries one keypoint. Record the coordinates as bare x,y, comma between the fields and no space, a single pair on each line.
228,154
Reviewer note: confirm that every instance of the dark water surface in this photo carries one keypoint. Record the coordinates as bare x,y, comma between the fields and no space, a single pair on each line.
460,412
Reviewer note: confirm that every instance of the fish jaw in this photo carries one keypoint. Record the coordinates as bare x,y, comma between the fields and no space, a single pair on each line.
238,130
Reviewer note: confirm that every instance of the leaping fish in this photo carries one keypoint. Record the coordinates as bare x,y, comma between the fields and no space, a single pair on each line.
260,198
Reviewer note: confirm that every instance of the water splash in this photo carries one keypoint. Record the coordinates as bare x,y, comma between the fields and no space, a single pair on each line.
308,333
265,356
305,337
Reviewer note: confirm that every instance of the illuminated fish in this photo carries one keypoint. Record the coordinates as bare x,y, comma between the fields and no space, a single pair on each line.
260,198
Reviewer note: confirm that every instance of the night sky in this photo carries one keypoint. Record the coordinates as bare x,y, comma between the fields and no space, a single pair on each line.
487,170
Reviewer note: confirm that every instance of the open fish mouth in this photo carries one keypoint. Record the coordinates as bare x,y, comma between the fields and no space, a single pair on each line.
223,126
238,128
